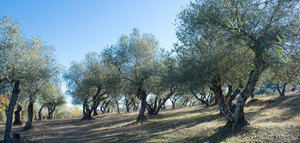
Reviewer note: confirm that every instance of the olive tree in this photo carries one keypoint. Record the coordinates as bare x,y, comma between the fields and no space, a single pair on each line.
135,58
165,84
23,62
250,28
50,97
43,65
89,82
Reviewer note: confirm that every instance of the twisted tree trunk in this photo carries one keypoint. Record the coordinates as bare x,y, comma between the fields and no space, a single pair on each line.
128,103
17,116
239,114
173,103
87,114
95,113
40,112
142,96
161,103
217,89
118,108
51,110
28,124
135,106
282,92
200,99
232,97
228,93
9,115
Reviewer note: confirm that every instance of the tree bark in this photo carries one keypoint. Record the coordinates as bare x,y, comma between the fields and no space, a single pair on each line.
173,104
142,96
17,116
28,124
105,107
228,93
87,115
135,106
239,114
282,92
95,113
96,100
200,99
162,102
217,89
40,112
232,97
51,110
118,108
128,103
9,115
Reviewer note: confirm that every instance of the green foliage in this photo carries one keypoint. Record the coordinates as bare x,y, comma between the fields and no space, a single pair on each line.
51,95
135,57
228,38
29,60
86,77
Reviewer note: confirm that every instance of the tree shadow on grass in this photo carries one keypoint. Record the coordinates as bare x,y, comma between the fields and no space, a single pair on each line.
223,133
287,102
133,132
119,129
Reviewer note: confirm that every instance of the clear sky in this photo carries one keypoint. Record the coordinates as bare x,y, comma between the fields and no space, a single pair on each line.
75,27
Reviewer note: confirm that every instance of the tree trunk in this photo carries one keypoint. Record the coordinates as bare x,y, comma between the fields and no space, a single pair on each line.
200,99
135,106
232,97
294,88
50,112
143,96
105,107
150,109
9,115
281,93
228,93
28,124
17,116
95,113
161,103
173,104
40,113
127,104
118,108
87,115
217,89
87,112
132,100
216,101
239,114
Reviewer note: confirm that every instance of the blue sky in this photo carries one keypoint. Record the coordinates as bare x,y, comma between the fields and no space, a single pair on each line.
75,27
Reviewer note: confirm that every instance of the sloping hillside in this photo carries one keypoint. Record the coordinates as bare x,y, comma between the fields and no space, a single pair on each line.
275,119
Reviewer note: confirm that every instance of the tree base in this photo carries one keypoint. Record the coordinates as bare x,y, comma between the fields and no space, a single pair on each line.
141,119
27,128
87,118
18,123
235,126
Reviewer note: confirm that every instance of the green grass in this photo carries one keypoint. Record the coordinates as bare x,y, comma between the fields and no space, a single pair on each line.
276,119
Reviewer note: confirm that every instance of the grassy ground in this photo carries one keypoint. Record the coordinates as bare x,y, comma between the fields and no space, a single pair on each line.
276,119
